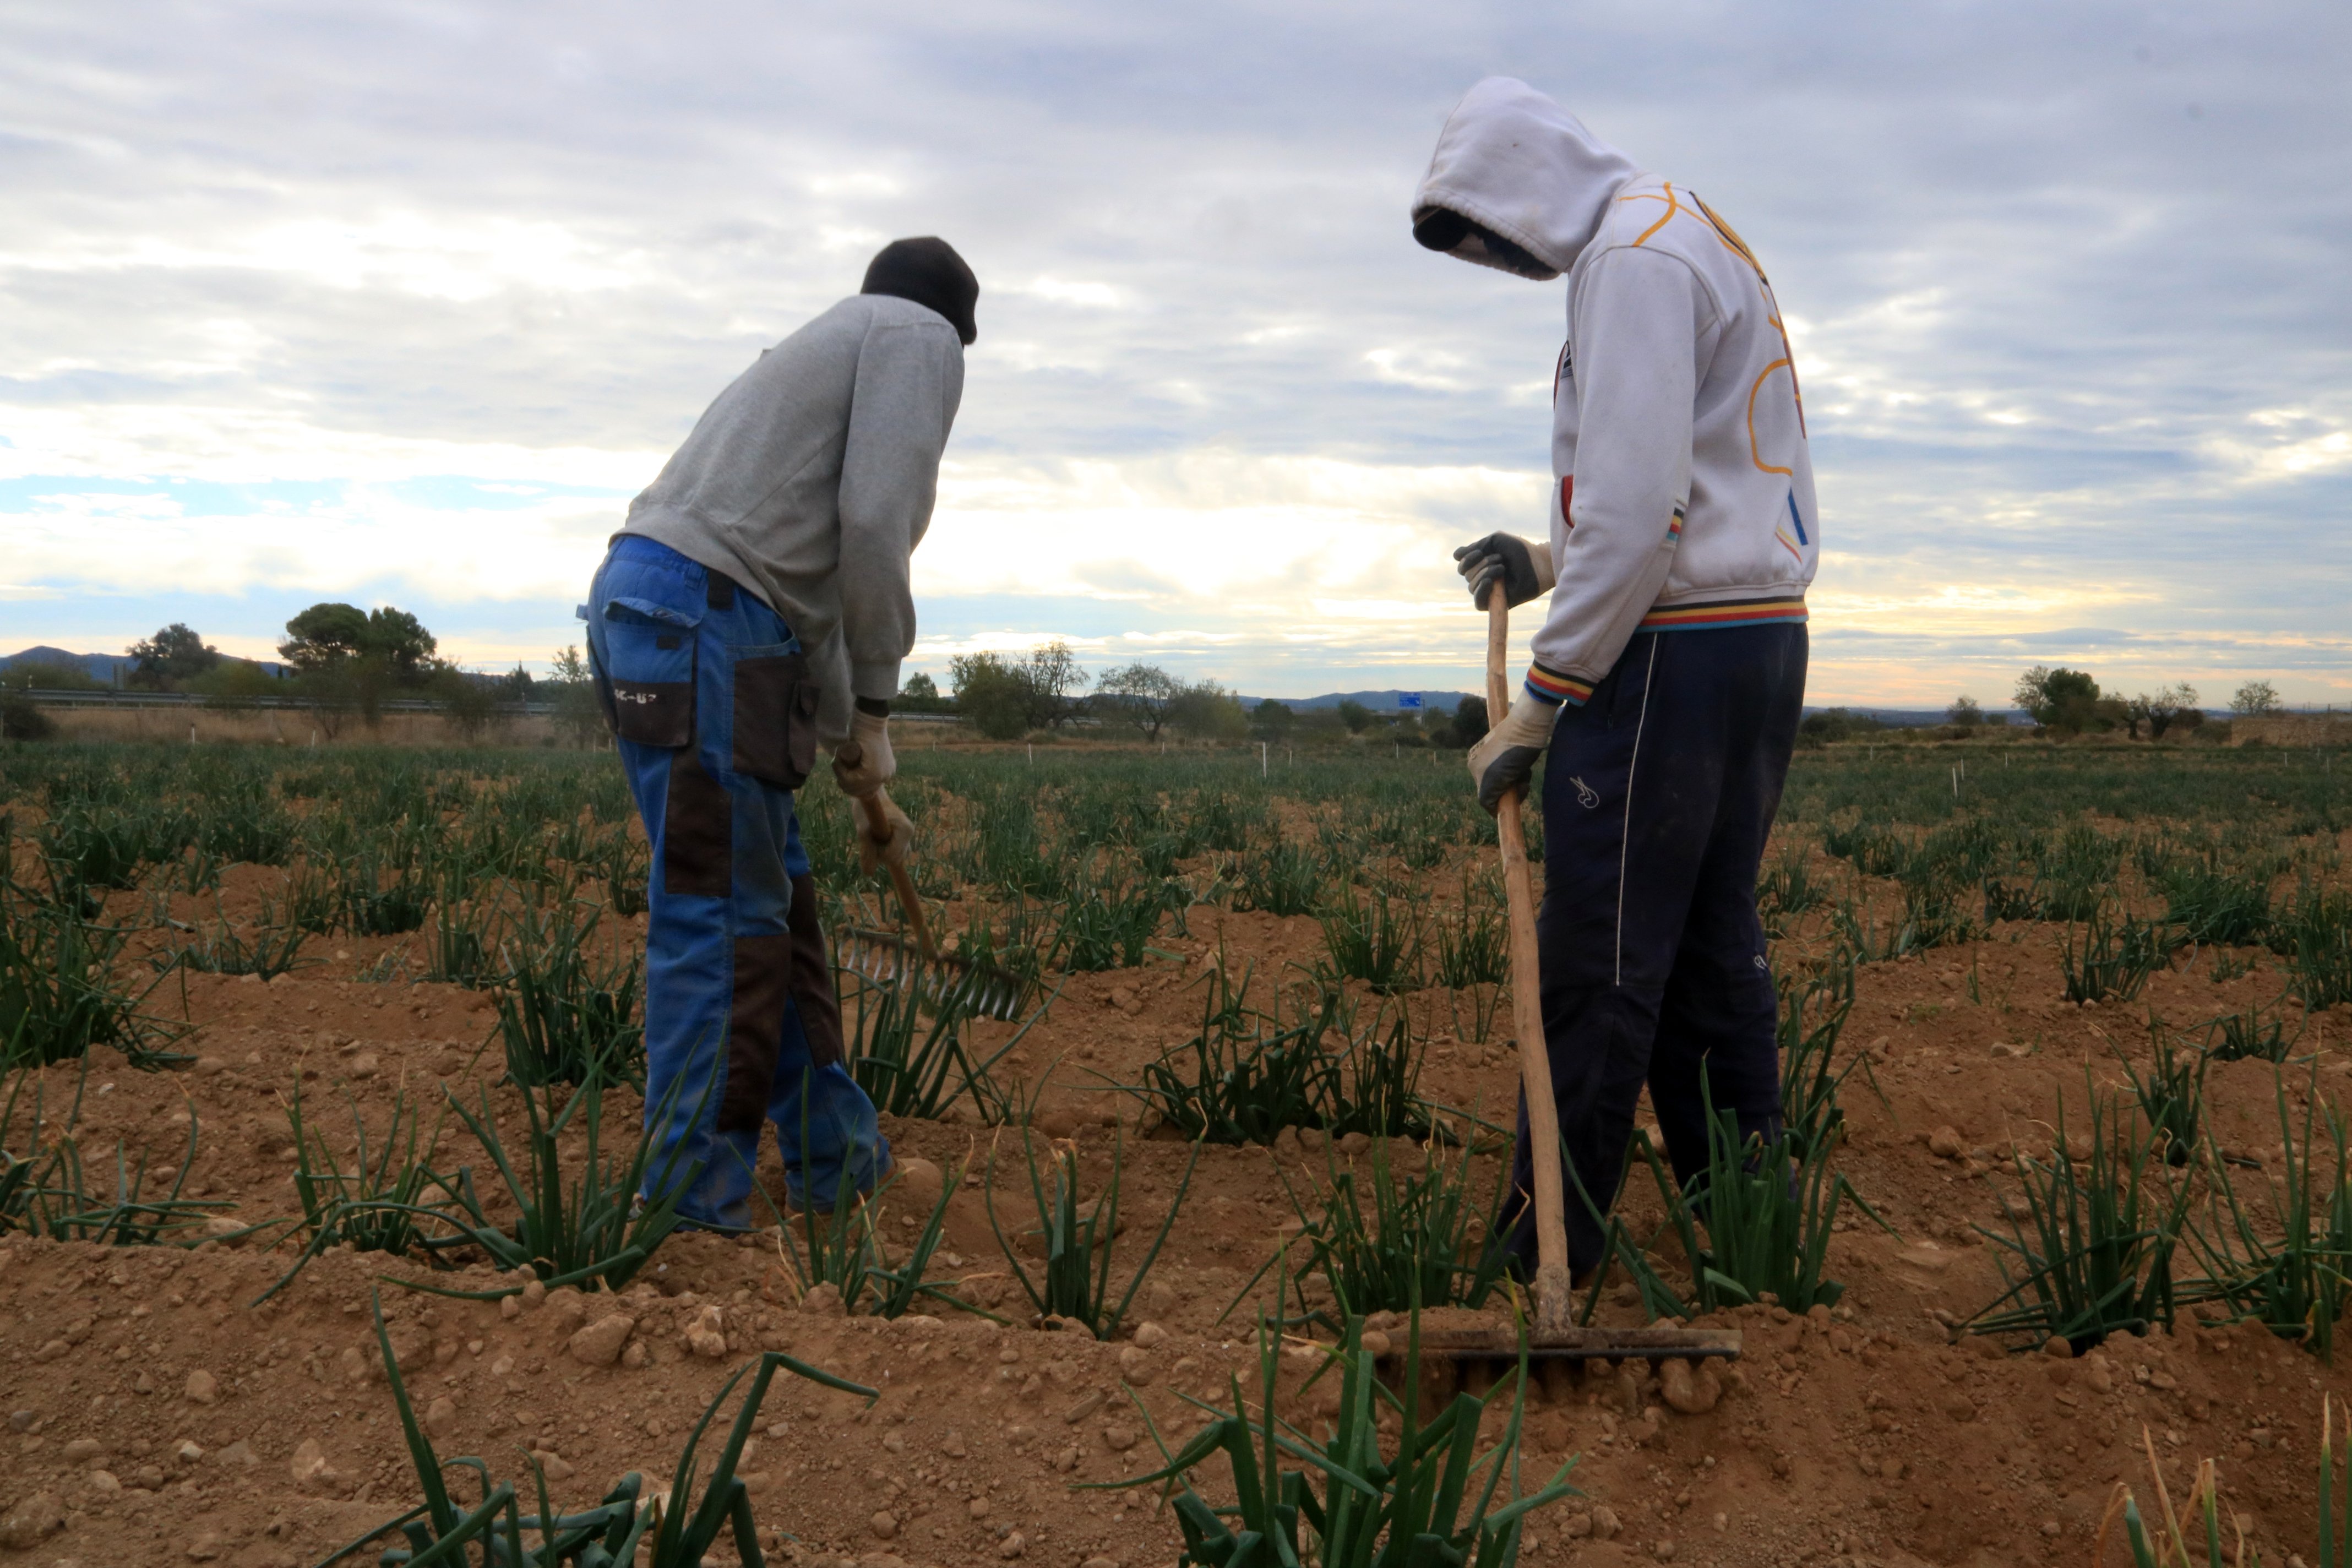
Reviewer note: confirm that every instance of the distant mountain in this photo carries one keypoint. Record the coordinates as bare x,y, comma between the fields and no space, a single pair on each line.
1917,718
96,666
1378,701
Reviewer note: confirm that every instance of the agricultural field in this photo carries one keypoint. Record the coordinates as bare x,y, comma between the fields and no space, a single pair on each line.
321,1117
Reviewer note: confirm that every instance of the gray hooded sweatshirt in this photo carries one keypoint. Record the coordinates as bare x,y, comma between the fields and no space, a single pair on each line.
810,481
1683,494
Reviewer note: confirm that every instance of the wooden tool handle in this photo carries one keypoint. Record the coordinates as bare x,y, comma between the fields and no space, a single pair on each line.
1552,1287
877,828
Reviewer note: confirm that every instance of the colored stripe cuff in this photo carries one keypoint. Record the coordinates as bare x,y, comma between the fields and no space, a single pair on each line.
1731,613
1553,689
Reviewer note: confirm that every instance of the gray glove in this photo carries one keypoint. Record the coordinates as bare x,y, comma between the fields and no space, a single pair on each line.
1522,566
1502,762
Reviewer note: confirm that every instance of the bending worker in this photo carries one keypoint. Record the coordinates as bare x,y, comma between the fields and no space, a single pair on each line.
755,605
1668,675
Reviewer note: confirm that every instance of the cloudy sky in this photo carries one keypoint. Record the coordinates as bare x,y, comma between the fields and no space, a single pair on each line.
402,302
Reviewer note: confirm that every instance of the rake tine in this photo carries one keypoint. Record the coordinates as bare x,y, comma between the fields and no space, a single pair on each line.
948,980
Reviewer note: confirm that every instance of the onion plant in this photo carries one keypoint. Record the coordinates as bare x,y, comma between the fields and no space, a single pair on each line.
1391,1241
1075,1283
673,1529
2294,1273
1347,1500
1378,941
1768,1208
2094,1253
2113,959
562,1014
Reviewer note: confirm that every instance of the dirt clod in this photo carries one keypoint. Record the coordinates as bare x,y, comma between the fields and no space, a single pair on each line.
32,1522
1692,1393
601,1343
707,1335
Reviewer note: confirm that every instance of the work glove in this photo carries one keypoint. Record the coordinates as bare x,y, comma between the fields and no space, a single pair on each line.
863,763
1522,566
1500,764
870,855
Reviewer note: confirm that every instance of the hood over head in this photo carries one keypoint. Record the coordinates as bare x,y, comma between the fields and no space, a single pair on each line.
1517,182
930,272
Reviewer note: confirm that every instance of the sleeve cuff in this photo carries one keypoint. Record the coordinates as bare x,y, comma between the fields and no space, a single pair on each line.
1552,689
876,678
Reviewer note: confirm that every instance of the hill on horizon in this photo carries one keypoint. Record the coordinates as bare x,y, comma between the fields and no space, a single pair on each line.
1383,701
96,666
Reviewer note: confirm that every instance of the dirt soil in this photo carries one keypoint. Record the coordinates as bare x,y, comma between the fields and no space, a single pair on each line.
157,1416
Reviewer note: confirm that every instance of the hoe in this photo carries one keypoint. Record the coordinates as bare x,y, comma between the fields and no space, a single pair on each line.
946,979
1478,1354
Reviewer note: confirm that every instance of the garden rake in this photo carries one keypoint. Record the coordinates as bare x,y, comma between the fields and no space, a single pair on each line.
946,979
1476,1355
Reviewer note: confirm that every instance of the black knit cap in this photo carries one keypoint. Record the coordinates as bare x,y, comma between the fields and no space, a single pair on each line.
930,272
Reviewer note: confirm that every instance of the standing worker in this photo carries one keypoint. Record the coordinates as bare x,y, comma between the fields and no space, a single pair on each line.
755,605
1668,675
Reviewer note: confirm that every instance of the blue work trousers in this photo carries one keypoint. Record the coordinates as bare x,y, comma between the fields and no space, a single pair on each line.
714,711
1658,795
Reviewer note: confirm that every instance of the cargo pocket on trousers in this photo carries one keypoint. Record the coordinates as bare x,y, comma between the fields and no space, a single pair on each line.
775,719
649,670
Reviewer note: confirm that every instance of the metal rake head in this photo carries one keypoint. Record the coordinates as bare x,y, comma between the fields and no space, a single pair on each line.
944,981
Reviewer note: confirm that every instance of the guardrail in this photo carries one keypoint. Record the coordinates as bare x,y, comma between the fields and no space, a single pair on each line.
389,705
233,704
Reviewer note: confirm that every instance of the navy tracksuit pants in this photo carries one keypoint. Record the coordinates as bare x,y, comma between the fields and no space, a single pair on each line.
1658,794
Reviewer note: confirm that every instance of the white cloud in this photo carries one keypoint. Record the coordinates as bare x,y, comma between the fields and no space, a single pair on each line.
1073,292
2071,357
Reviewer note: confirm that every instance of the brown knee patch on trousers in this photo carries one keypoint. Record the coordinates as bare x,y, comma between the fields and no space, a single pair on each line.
813,976
755,1028
697,831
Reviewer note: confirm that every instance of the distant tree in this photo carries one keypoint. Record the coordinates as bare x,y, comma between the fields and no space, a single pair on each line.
1207,711
1833,724
40,675
990,693
1355,715
171,656
2062,698
573,686
1050,677
1964,713
1140,696
1272,720
345,658
1006,698
468,701
21,717
401,640
1467,726
2160,710
324,635
2255,699
920,694
517,684
328,634
234,683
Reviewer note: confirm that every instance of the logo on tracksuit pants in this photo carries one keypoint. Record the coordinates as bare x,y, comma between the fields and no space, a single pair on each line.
1586,797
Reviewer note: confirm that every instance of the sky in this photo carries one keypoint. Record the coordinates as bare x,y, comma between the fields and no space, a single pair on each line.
401,304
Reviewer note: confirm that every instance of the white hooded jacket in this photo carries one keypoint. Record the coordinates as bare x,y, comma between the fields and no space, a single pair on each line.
1683,494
